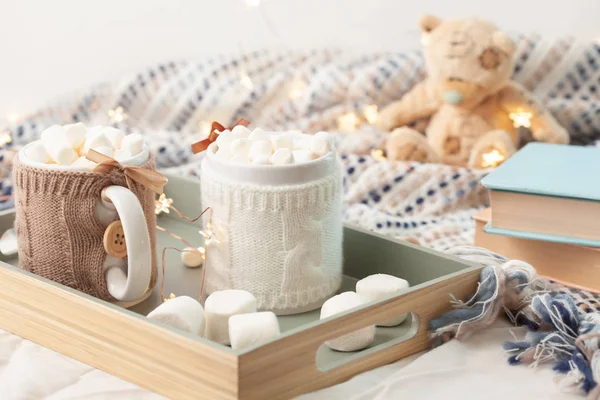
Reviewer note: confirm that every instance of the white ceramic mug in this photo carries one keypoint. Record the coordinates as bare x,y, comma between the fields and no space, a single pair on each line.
127,279
278,230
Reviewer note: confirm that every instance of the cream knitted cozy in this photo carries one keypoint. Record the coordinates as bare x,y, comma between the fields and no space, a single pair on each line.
58,234
281,243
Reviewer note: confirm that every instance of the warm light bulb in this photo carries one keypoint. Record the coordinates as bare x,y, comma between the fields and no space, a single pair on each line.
118,114
162,205
492,159
171,297
205,127
209,236
521,118
246,81
348,122
297,89
377,155
371,113
5,138
12,118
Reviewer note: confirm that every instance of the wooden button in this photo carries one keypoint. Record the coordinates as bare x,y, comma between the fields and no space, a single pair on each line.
114,240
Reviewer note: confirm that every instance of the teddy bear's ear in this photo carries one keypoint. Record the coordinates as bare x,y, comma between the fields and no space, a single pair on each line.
428,23
503,42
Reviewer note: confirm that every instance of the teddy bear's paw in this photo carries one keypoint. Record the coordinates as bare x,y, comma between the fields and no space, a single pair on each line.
385,120
405,144
491,150
558,136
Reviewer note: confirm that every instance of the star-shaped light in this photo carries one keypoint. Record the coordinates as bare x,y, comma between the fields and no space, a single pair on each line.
209,236
117,115
162,205
5,138
492,159
348,122
171,297
378,155
371,113
521,118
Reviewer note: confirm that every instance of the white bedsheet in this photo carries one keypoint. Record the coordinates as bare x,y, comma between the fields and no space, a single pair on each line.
473,369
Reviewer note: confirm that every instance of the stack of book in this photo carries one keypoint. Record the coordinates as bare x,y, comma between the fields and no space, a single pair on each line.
545,210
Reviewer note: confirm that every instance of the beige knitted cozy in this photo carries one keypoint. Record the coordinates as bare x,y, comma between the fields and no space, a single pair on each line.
58,234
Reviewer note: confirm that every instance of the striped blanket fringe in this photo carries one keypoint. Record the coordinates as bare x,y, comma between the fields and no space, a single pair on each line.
558,332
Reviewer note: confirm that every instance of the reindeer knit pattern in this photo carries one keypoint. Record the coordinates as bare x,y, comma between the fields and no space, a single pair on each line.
58,233
281,243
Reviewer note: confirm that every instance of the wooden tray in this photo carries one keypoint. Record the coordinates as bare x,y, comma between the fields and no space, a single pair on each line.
183,366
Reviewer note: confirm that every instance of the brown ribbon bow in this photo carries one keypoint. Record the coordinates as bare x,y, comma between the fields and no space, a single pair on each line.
146,177
215,129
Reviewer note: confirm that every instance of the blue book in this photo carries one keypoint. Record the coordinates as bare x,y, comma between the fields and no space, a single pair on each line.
548,192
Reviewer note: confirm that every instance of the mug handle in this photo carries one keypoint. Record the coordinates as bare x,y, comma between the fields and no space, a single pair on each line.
133,285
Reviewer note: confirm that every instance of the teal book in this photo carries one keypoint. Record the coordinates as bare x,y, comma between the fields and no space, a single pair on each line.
550,170
544,237
547,192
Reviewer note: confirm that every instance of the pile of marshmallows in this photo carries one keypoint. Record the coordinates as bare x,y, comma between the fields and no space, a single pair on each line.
259,147
371,288
230,317
69,144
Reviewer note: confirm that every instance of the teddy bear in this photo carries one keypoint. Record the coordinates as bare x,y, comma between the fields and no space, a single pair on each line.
472,104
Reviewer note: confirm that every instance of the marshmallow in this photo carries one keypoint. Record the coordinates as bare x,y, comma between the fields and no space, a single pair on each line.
115,136
37,152
133,143
121,155
261,161
302,142
182,313
247,330
53,134
221,305
191,258
240,147
83,163
319,146
352,341
322,135
375,287
106,150
259,134
282,141
75,134
93,141
224,143
260,149
282,156
62,154
56,145
240,132
301,156
225,138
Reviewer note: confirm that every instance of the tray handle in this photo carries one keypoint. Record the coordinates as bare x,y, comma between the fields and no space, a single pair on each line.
289,364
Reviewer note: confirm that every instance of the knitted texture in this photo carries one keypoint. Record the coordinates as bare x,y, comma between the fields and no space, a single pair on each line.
281,243
59,235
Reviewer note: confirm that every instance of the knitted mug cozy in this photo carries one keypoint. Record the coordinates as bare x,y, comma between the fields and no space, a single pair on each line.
59,236
282,243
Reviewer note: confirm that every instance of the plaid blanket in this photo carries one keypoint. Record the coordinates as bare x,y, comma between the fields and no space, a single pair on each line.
172,104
